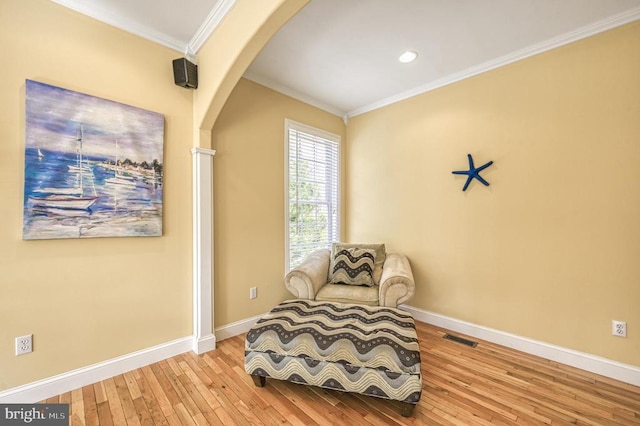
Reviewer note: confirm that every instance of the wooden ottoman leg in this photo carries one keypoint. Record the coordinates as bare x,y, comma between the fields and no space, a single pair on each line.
406,409
259,380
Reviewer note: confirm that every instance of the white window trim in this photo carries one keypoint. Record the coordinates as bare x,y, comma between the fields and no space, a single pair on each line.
288,123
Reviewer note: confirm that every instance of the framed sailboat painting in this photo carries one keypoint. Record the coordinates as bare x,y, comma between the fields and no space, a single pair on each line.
93,167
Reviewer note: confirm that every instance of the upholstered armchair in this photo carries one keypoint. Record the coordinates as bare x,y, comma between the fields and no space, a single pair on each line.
318,278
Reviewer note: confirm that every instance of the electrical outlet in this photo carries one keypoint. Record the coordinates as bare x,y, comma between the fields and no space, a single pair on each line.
24,344
253,292
619,329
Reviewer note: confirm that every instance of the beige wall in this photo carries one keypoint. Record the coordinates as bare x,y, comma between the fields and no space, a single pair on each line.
249,197
550,249
87,301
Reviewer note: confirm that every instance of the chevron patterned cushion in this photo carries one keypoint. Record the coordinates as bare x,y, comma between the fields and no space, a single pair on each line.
353,266
371,350
380,257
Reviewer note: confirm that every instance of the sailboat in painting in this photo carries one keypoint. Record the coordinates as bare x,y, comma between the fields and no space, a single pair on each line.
119,178
70,198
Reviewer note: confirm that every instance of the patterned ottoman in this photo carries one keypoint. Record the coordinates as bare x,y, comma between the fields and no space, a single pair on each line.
371,350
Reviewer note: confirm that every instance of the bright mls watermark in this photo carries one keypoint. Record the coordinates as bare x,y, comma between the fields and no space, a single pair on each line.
34,414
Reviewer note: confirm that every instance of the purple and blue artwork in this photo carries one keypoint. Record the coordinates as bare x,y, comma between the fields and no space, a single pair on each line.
93,167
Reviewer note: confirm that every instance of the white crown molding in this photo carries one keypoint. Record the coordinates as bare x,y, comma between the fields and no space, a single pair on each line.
124,24
603,366
61,383
293,93
583,32
221,8
209,25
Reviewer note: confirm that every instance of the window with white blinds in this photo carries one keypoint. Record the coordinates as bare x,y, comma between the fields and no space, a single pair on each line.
312,180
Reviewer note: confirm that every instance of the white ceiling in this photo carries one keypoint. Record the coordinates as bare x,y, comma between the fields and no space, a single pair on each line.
182,25
341,55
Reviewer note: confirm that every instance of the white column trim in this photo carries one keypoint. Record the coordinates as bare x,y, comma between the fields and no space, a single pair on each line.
206,151
204,338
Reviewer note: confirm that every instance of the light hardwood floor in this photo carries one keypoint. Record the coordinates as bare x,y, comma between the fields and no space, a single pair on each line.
486,385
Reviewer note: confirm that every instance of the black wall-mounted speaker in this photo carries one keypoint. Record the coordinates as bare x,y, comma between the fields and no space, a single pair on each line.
185,73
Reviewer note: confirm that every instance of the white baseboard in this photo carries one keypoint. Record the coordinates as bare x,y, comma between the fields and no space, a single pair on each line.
204,344
52,386
46,388
65,382
603,366
236,328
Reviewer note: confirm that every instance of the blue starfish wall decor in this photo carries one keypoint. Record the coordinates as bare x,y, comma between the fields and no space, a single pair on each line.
473,172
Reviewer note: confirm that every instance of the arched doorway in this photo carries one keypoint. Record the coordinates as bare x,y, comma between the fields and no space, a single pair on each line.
223,59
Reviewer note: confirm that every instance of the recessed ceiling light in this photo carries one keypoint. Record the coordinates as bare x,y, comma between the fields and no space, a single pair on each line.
408,56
